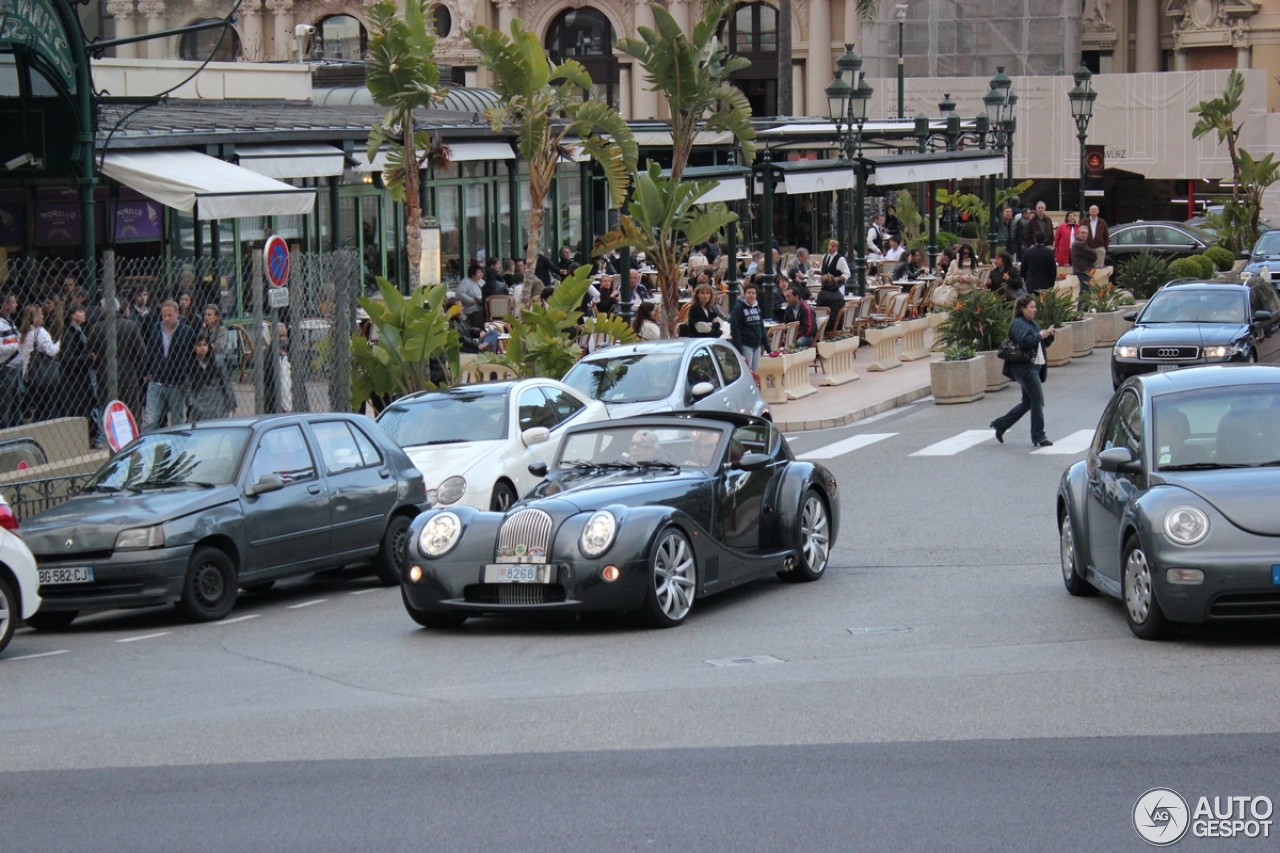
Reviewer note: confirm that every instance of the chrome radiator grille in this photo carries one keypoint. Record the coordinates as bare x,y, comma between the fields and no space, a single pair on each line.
525,537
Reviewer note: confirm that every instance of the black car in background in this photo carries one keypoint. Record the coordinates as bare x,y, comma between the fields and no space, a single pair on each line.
192,514
1193,323
1168,240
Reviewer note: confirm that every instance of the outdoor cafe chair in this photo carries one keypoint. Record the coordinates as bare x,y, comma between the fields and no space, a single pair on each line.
776,337
499,306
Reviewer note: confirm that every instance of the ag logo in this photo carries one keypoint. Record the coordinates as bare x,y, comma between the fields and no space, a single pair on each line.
1161,817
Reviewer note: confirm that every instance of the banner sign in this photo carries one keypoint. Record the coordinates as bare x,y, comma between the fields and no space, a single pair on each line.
35,23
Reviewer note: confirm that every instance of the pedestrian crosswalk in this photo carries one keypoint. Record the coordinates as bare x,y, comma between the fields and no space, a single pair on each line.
1069,445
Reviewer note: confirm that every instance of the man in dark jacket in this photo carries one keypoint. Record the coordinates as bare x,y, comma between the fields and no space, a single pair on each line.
493,284
1008,230
1020,231
1039,269
747,326
170,350
801,312
1040,223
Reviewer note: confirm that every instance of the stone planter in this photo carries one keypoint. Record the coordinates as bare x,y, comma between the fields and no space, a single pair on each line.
837,360
786,377
885,341
1064,343
958,381
936,319
1108,326
1082,331
996,380
913,339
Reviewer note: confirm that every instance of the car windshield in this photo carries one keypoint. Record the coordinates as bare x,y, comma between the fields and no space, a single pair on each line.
447,418
642,447
627,378
197,457
1196,306
1268,244
1233,426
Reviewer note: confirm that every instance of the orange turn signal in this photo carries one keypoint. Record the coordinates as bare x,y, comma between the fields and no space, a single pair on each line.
610,573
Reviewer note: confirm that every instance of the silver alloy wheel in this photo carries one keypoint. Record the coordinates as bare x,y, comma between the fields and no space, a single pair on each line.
1067,545
5,613
1138,594
674,575
814,535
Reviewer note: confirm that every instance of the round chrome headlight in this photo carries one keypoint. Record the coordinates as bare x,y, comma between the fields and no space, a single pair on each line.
451,490
440,534
598,534
1185,525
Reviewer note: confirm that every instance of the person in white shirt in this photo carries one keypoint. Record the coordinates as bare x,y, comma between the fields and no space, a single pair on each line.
756,265
876,235
895,250
10,364
834,264
697,258
472,296
34,340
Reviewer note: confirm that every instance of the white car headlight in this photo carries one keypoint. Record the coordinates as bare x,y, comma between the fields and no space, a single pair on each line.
598,534
440,534
451,490
1126,352
1221,352
139,538
1186,525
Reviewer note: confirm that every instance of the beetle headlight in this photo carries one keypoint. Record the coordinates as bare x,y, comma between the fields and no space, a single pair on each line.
139,538
598,534
1186,525
451,490
440,534
1126,352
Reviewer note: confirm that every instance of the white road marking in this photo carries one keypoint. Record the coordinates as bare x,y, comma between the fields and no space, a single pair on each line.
235,620
848,445
370,589
145,637
306,604
958,443
1077,442
41,655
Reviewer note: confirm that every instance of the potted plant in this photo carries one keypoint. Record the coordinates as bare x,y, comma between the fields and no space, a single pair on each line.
1107,305
1057,309
961,377
1142,275
981,320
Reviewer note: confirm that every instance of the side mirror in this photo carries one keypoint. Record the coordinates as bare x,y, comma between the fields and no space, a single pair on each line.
1130,316
1118,460
535,435
752,461
701,390
266,483
538,469
1261,316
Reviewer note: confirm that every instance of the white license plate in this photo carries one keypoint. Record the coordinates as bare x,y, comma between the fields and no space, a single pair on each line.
79,574
1167,367
518,573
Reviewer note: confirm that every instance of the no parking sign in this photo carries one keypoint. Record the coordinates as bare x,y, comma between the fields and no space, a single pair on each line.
275,255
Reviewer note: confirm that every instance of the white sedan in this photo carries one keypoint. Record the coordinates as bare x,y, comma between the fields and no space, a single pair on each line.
473,444
19,580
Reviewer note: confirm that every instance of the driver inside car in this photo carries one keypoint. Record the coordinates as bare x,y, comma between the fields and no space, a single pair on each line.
645,447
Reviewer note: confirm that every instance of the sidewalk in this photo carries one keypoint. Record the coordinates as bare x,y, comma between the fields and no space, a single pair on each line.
871,394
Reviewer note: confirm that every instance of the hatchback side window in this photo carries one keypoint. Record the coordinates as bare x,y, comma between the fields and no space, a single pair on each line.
368,450
563,404
730,364
284,453
702,369
337,447
535,411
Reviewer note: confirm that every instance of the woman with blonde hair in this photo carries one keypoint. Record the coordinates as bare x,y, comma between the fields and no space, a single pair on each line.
702,320
38,353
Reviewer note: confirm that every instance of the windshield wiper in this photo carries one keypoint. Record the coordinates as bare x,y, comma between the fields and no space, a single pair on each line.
659,463
164,484
584,465
1204,466
99,487
445,441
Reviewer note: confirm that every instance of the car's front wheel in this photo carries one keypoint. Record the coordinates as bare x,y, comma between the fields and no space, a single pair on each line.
388,565
814,535
1072,578
1141,608
430,619
52,620
673,577
9,613
503,497
209,589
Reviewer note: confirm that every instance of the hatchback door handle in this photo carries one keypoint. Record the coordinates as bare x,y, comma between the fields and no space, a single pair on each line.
314,489
384,473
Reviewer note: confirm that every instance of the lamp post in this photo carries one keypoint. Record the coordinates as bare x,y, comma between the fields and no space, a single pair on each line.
997,103
1081,97
947,107
900,15
848,103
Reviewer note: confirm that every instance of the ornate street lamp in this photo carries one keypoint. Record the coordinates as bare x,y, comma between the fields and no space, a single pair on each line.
848,102
1082,97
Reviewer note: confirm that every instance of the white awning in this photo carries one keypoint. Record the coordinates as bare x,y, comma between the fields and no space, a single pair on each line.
291,161
459,151
818,181
942,170
730,189
204,186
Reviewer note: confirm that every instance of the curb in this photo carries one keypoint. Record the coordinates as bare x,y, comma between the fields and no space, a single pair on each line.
908,396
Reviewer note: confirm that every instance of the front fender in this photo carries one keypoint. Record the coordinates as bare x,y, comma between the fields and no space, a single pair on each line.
799,477
222,520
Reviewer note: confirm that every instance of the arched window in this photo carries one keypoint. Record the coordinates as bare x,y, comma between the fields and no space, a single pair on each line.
752,33
441,20
340,37
587,36
196,47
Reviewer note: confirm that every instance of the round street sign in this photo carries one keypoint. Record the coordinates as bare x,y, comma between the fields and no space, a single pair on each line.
118,425
275,255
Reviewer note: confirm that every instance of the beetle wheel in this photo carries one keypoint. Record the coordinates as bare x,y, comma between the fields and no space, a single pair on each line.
1141,608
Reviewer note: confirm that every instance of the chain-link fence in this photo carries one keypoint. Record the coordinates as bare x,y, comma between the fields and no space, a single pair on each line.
175,340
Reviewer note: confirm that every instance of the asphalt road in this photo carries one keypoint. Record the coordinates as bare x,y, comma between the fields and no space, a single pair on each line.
937,690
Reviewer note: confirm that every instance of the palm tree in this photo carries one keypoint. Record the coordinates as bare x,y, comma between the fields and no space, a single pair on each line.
543,103
1218,115
403,77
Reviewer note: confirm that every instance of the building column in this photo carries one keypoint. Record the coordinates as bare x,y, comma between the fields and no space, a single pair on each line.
506,12
1147,55
154,12
251,38
1181,60
282,11
852,26
644,101
126,25
1243,58
679,10
819,67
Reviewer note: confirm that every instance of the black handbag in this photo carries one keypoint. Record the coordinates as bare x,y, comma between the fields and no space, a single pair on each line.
1009,351
43,371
